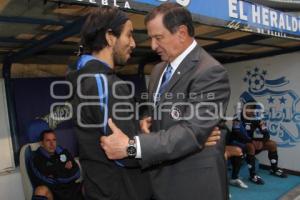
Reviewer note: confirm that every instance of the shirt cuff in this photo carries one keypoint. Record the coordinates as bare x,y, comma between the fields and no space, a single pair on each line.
138,147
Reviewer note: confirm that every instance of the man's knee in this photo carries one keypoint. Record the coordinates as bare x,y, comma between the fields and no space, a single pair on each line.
232,151
271,145
237,151
43,191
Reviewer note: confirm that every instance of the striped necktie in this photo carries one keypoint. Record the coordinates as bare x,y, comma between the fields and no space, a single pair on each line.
165,79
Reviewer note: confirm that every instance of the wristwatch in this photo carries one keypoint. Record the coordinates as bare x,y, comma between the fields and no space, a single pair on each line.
131,149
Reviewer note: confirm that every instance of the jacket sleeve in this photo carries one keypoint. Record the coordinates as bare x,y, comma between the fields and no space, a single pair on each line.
189,135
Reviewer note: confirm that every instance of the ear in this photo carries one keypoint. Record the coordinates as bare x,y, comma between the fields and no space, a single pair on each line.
182,33
110,38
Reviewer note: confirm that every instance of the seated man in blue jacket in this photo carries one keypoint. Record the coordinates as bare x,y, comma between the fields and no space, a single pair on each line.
54,171
252,135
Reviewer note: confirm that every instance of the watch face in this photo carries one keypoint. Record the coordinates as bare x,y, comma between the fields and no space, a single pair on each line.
131,150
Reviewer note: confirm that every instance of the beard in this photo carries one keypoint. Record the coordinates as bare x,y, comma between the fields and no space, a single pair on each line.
119,60
119,56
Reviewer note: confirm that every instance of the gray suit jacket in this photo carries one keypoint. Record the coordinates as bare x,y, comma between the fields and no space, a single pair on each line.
180,167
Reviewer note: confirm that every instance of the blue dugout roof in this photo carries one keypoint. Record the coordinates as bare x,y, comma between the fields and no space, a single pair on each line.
231,30
234,14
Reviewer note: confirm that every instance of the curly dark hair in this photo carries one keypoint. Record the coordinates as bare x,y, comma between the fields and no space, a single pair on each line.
98,22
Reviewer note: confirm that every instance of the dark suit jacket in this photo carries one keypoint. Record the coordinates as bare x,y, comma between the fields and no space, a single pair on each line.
180,167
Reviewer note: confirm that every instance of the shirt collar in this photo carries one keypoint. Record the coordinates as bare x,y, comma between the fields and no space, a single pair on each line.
175,63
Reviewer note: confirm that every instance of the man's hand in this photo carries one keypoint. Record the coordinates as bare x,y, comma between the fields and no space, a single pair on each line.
115,145
69,165
145,124
214,137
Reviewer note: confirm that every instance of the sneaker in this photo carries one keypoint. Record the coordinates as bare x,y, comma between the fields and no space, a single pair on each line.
238,182
278,172
257,180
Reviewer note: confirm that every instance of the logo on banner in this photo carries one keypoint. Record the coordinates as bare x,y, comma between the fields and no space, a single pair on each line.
181,2
114,3
126,4
280,105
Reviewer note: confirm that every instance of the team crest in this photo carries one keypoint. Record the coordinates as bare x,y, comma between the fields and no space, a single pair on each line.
280,103
175,113
63,158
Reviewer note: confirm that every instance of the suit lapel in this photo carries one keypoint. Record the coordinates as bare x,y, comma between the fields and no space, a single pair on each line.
185,66
156,79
